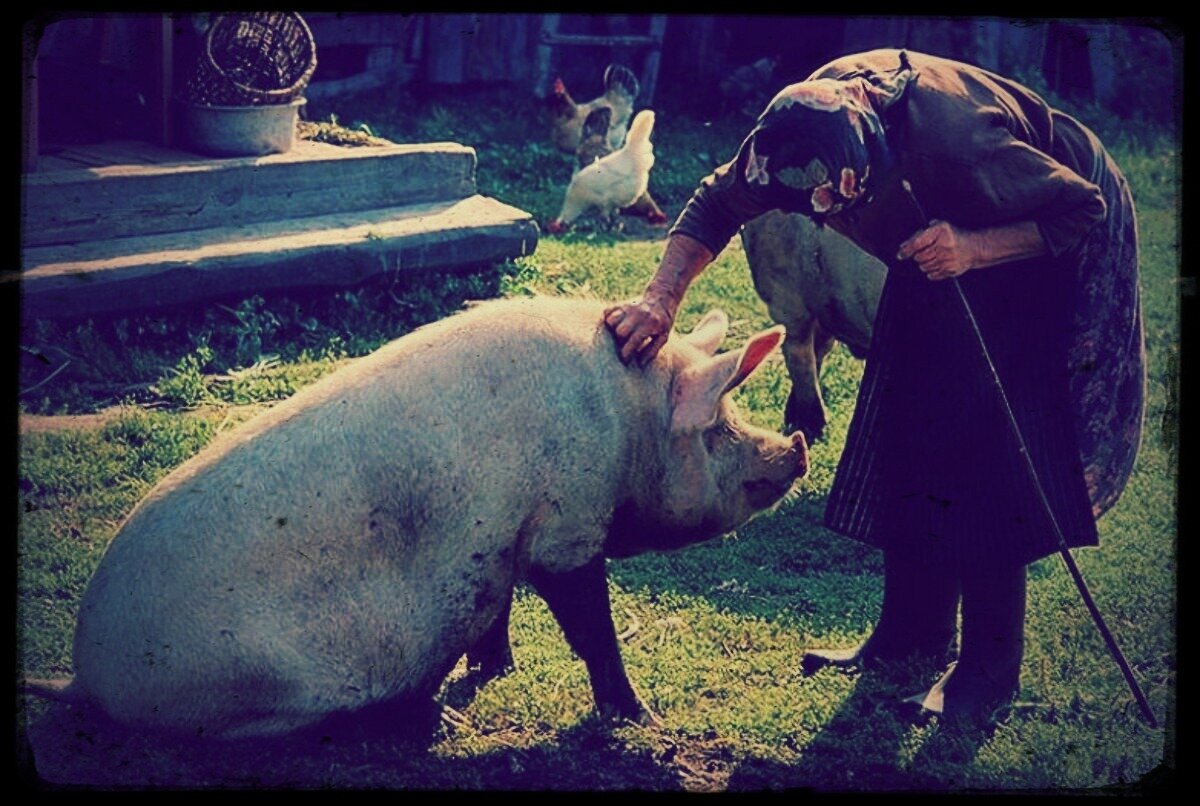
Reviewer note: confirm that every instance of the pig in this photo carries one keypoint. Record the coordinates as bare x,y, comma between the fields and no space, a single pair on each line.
822,288
348,546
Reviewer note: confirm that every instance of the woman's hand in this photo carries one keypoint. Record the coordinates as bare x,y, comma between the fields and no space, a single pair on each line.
942,250
641,327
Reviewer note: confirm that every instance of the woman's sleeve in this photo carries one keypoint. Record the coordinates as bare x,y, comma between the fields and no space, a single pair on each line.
722,203
1016,182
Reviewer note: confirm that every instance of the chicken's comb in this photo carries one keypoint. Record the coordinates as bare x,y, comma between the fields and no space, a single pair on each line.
559,87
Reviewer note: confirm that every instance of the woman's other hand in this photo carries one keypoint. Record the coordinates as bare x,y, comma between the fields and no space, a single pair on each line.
941,250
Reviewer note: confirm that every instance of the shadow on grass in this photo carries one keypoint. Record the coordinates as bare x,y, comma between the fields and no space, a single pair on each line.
782,566
70,748
863,747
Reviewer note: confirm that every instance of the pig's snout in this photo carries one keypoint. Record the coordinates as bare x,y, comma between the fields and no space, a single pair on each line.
799,451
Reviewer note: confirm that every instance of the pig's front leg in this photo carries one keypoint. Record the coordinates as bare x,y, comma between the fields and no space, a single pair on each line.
579,601
492,653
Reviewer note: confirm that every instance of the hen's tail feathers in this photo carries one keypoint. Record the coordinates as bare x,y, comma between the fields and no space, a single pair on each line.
58,689
597,122
618,78
639,130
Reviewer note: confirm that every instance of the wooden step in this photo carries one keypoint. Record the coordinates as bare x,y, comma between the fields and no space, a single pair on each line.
123,200
336,250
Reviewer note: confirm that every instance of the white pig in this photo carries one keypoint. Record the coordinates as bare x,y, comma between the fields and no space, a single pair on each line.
348,546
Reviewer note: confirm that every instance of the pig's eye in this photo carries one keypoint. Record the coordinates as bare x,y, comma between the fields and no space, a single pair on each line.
721,432
714,436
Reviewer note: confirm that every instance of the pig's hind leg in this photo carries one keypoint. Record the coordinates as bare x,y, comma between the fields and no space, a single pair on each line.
492,653
579,601
488,658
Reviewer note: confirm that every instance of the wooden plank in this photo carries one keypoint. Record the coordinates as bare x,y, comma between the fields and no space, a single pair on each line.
140,152
83,155
330,251
113,152
65,159
658,27
601,40
162,80
444,64
338,87
333,29
313,179
154,153
53,163
545,55
29,97
333,230
119,152
416,50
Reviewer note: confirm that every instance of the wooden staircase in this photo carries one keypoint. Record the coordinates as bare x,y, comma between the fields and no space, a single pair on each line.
131,226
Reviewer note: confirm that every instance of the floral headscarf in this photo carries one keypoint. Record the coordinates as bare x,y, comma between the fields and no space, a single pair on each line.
818,149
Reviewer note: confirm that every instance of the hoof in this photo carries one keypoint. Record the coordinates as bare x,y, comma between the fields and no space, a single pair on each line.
634,712
808,417
644,718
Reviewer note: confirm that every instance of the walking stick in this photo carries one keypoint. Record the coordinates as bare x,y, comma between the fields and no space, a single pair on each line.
1063,549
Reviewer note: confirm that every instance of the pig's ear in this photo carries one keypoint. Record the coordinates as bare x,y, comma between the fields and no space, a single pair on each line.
710,332
697,391
753,354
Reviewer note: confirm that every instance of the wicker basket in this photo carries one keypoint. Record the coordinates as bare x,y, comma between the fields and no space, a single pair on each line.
254,59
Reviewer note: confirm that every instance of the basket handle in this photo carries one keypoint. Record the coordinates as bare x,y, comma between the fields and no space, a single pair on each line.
254,91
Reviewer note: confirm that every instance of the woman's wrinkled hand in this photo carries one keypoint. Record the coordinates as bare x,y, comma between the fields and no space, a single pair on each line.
640,327
941,250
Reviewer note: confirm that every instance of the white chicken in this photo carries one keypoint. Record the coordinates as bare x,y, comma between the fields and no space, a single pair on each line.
613,181
593,145
567,117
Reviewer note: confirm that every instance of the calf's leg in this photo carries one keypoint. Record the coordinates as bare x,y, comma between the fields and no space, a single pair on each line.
805,410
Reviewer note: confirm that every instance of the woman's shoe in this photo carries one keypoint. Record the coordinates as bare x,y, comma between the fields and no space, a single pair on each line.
878,651
969,694
918,618
987,675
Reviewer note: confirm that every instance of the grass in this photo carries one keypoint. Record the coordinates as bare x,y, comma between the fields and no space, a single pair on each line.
713,633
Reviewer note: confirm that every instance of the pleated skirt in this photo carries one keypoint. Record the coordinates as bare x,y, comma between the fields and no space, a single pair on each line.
932,465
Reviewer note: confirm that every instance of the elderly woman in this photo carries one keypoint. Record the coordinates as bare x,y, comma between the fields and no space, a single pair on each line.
1031,216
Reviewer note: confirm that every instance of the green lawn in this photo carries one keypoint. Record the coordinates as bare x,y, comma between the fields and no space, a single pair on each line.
712,635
